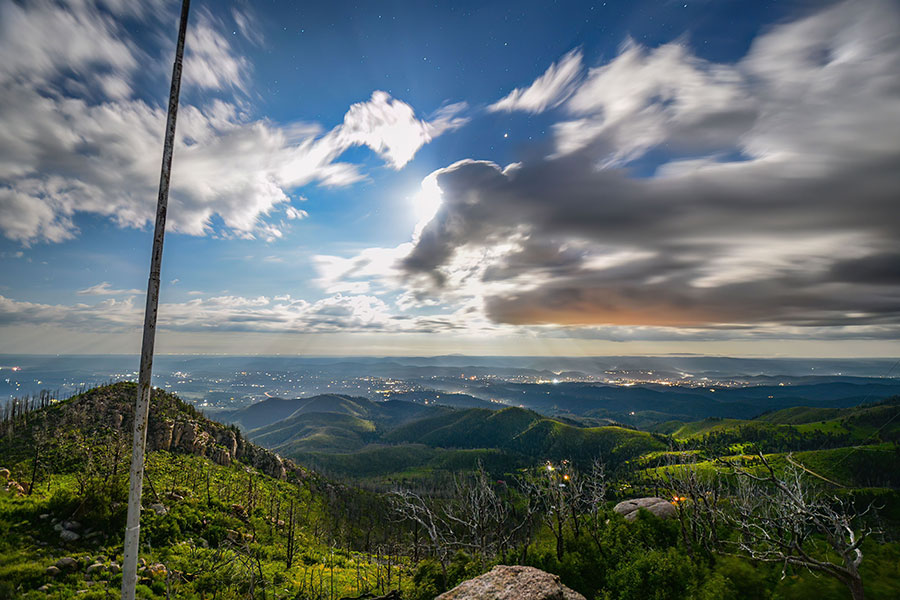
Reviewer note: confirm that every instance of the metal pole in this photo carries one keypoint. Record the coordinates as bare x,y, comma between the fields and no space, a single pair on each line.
142,405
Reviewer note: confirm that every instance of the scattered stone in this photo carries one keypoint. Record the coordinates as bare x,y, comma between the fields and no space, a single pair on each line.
658,506
71,525
45,588
69,536
57,527
97,566
159,509
44,516
67,563
4,474
512,583
13,487
114,567
53,571
157,570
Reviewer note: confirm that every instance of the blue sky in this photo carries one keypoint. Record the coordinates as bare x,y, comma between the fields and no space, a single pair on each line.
493,178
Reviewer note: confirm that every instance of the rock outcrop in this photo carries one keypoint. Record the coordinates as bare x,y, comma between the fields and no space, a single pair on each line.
660,507
512,583
173,426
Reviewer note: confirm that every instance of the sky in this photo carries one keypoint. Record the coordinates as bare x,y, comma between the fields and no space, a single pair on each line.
412,178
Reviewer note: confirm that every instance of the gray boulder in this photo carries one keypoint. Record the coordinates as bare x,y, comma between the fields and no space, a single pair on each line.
512,583
68,536
67,563
660,507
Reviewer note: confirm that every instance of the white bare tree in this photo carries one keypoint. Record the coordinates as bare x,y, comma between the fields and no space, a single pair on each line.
781,518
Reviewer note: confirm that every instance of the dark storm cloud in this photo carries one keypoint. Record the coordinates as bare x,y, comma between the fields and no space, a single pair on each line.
795,223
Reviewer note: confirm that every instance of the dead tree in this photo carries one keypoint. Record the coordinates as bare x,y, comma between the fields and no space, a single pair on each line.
780,518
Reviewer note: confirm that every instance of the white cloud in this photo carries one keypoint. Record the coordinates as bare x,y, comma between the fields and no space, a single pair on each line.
209,61
295,213
105,289
645,97
282,314
548,91
390,128
67,147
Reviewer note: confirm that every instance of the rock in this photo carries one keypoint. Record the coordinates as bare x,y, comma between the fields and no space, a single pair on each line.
13,488
45,588
159,509
72,525
4,474
44,516
97,566
220,456
658,506
67,563
157,570
114,567
512,583
57,527
53,571
69,536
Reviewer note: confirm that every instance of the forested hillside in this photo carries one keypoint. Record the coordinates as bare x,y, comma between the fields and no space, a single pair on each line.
459,490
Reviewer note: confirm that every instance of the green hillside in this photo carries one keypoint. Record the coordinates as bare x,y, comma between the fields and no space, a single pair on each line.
803,427
526,433
322,431
214,525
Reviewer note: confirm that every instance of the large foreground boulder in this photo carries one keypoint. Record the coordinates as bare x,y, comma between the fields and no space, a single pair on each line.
660,507
512,583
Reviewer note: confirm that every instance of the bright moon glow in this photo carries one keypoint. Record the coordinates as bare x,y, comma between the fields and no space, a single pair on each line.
426,203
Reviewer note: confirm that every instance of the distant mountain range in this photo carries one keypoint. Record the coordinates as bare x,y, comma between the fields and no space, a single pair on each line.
353,436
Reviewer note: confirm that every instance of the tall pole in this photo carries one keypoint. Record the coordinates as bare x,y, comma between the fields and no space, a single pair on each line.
142,405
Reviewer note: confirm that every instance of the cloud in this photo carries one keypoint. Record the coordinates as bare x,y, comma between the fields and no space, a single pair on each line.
295,213
104,289
77,138
209,61
645,97
390,128
283,314
776,210
548,91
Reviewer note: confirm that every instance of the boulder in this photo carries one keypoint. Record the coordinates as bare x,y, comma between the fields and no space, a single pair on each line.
69,536
67,563
4,474
660,507
53,571
512,583
97,566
